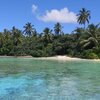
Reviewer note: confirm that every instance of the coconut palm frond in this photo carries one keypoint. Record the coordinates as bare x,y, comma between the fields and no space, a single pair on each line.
86,44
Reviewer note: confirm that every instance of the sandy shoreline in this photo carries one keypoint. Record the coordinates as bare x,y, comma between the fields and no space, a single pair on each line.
61,58
16,56
58,58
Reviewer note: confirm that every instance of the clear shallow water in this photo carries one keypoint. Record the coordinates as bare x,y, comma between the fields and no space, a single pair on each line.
29,79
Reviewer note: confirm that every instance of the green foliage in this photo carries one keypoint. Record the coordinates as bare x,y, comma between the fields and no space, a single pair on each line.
58,28
89,54
83,16
36,53
48,51
70,52
83,42
14,43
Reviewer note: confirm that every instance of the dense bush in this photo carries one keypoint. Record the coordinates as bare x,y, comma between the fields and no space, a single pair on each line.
90,55
82,42
36,53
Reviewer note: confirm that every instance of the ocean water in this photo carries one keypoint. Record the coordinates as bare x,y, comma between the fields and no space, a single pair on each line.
30,79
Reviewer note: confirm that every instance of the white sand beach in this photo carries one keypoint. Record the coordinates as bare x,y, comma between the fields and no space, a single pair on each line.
60,58
65,58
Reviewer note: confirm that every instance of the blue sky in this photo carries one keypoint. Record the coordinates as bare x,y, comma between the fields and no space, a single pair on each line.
43,14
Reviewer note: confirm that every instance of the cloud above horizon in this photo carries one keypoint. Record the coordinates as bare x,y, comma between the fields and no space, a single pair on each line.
62,16
34,8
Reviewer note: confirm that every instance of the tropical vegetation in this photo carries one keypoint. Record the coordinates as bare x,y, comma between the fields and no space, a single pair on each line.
83,42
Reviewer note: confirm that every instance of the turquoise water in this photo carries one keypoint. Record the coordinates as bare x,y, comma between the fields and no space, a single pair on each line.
30,79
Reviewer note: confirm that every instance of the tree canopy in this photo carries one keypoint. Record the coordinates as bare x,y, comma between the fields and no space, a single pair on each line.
82,42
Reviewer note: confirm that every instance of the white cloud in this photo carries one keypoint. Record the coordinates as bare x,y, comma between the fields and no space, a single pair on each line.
34,8
62,16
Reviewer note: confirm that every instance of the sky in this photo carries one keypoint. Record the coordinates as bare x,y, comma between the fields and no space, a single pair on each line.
45,13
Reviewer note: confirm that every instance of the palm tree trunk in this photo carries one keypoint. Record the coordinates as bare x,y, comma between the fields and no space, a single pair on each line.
84,26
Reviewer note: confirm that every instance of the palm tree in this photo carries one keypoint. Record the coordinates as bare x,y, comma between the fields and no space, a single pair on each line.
78,32
57,28
7,35
83,16
47,35
91,37
16,35
1,39
28,29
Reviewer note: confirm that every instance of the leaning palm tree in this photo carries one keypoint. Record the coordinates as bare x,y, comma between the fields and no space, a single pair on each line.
91,37
28,29
83,16
57,28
